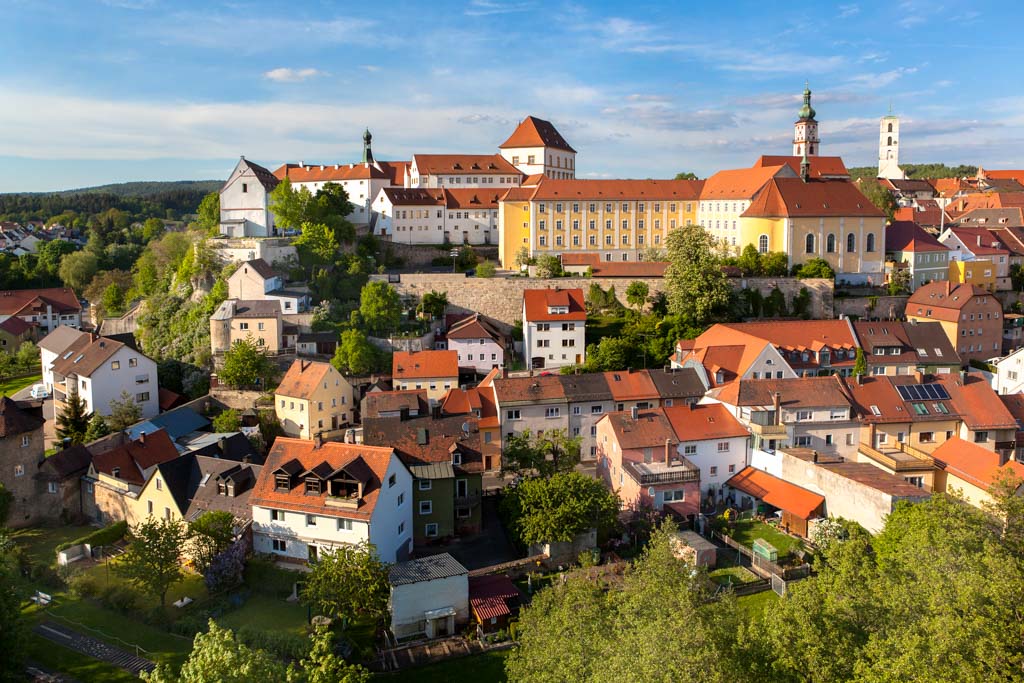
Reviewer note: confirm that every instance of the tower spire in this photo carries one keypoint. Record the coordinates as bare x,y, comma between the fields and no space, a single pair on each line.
367,152
805,132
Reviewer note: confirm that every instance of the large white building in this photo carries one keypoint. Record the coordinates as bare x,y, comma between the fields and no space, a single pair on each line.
100,369
462,170
438,215
536,147
313,496
245,201
554,327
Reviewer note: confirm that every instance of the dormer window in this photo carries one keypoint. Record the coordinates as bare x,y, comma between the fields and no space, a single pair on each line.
314,487
456,458
282,482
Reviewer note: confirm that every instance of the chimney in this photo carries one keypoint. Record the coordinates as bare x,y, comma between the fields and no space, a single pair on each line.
919,376
222,445
142,438
634,412
116,472
318,440
777,406
860,380
668,452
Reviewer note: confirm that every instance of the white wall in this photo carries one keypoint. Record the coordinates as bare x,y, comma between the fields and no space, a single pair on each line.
1009,377
555,355
298,536
410,601
481,353
106,384
708,456
388,515
244,197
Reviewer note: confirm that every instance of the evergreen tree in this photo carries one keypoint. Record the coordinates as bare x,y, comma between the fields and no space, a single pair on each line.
73,421
97,428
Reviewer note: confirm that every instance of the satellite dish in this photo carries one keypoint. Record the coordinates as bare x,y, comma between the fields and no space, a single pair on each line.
465,427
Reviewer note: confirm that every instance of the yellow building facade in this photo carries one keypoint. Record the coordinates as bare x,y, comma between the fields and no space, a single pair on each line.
980,272
313,398
617,219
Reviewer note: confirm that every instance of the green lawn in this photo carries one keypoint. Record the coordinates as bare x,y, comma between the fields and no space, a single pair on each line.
726,576
755,604
81,667
265,610
748,530
39,544
12,386
489,666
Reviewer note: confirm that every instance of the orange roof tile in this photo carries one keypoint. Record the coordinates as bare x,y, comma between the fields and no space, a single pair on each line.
977,402
368,463
519,389
461,164
424,364
133,458
794,197
617,190
537,302
741,183
944,299
323,173
702,422
302,378
972,463
777,492
630,385
25,301
820,166
534,132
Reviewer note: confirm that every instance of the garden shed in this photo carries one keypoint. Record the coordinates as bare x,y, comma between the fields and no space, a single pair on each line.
429,596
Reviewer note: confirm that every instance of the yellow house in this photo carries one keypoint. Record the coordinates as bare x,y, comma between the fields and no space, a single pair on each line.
313,398
238,319
618,219
810,218
970,470
434,371
980,272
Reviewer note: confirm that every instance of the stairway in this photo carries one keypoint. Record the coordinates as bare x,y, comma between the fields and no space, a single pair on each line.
97,649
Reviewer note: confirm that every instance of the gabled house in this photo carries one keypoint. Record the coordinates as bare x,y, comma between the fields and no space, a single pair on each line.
479,401
445,457
115,477
479,343
435,371
554,327
967,245
909,245
248,319
187,487
21,455
312,496
244,202
970,316
257,279
313,398
13,332
408,403
969,470
536,403
894,347
100,369
46,309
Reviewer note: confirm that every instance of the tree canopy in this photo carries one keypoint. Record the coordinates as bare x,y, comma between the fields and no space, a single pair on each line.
152,561
543,453
357,356
380,308
557,508
697,287
245,365
348,581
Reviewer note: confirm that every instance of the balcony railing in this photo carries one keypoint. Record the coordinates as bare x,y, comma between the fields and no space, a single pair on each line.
768,430
897,464
671,477
337,502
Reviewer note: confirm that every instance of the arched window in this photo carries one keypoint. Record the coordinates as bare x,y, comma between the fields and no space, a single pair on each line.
890,127
871,241
851,243
809,244
762,244
830,244
890,141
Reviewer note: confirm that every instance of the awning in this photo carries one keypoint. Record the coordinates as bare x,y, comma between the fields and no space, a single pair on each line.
776,492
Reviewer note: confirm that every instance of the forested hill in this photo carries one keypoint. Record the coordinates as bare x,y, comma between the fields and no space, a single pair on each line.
919,171
138,199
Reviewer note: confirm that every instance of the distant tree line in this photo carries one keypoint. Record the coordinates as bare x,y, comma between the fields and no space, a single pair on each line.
919,171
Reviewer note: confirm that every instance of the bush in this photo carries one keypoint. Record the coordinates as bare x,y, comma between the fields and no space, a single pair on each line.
485,270
85,586
106,536
282,644
119,598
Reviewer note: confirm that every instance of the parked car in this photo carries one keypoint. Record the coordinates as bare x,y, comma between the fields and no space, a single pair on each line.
39,391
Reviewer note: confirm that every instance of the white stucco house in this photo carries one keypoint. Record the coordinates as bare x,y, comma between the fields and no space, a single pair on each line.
429,596
554,327
312,496
479,343
100,369
245,201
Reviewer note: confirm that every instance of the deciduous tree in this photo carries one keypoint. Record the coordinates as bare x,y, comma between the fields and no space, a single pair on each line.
698,290
816,268
152,561
636,294
380,308
78,269
211,534
245,365
543,453
557,508
317,243
348,581
218,656
356,355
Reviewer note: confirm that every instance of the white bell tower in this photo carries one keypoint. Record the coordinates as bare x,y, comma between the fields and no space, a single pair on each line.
889,148
805,130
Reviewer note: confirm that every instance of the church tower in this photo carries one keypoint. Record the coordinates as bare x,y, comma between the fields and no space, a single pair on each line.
367,150
889,148
805,131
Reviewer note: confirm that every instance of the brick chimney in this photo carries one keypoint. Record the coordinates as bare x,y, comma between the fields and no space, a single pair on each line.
777,407
318,440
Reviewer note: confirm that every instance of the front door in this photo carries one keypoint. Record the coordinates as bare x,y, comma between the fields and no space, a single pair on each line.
334,421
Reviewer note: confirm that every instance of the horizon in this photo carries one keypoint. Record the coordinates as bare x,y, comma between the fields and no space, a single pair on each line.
633,90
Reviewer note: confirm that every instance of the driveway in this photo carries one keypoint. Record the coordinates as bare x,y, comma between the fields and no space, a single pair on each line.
489,547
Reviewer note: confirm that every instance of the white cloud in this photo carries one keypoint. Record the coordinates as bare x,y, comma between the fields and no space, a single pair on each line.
484,8
880,80
847,11
286,75
130,4
372,68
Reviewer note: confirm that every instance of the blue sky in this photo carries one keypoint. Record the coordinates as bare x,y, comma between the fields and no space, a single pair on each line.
97,91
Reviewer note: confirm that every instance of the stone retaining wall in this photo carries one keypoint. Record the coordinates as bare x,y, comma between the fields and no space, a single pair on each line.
501,298
885,307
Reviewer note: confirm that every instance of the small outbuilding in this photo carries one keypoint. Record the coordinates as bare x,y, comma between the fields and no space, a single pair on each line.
694,548
429,596
494,600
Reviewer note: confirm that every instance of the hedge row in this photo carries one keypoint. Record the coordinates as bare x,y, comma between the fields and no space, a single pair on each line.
105,536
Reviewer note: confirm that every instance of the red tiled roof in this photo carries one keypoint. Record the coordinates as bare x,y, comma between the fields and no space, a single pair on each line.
802,335
702,422
489,596
927,212
424,364
650,429
317,173
617,190
395,170
977,402
877,401
979,241
794,392
15,326
377,402
972,463
945,299
534,132
539,388
903,235
740,183
15,420
820,166
302,378
459,164
628,385
474,327
134,457
458,401
26,301
367,462
414,196
633,269
794,197
777,492
537,301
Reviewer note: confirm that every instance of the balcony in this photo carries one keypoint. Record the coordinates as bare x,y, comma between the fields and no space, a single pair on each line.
652,474
350,502
903,458
771,430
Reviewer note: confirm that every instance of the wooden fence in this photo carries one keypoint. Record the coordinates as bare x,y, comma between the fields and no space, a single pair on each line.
764,568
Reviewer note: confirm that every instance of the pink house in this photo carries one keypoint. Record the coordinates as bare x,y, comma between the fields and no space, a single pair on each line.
638,457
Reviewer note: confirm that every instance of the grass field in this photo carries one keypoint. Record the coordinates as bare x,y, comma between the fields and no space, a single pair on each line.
489,666
12,386
748,530
754,605
262,609
39,544
82,668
